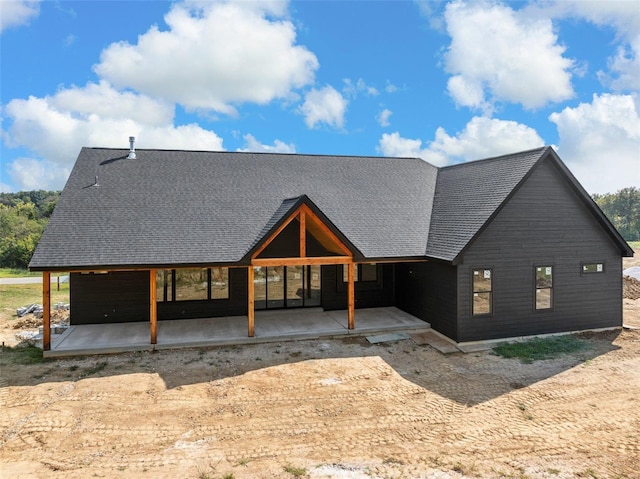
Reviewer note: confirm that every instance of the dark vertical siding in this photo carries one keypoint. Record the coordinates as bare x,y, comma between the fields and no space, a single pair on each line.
428,291
236,305
367,295
119,297
287,244
115,297
544,223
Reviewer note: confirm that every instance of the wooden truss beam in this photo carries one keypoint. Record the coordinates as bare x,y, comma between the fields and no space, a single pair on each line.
308,221
303,233
301,261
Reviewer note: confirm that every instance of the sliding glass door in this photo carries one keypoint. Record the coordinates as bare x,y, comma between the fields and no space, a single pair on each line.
287,286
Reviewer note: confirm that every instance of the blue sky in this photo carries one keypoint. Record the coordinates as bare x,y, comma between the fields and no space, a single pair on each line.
447,81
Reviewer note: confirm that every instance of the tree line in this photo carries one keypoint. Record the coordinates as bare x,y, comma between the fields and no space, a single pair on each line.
623,210
24,215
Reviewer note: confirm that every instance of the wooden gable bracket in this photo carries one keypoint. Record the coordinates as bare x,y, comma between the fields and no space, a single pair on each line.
308,221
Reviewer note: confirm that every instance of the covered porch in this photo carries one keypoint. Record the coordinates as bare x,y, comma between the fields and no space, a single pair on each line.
270,326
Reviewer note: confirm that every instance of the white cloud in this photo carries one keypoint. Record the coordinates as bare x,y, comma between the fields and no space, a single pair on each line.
383,117
600,142
252,144
54,128
33,174
214,55
326,105
625,68
14,13
482,137
103,100
70,40
498,54
352,89
393,145
623,16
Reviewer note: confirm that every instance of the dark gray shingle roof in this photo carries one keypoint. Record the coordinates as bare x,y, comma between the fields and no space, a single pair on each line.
468,194
187,207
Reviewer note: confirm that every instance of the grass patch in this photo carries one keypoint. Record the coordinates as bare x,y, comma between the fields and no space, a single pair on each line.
540,348
295,471
23,355
14,296
17,273
635,245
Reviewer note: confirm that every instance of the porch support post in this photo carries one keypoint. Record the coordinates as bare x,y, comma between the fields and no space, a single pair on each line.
351,300
250,301
153,307
46,311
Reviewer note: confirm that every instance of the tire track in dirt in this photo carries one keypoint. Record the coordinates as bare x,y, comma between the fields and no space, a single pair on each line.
388,411
15,429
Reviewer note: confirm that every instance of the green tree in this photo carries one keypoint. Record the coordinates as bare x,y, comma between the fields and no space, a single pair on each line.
623,210
20,229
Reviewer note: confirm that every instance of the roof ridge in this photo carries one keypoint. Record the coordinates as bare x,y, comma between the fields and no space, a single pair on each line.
272,153
541,149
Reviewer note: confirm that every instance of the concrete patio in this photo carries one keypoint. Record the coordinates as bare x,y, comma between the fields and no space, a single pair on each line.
270,326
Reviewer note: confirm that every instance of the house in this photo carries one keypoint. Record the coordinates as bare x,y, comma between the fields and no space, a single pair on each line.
496,248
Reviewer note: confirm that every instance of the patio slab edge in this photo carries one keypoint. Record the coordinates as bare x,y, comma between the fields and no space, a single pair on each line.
61,353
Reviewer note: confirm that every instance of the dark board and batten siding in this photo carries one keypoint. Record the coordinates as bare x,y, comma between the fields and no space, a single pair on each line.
236,305
123,296
428,291
113,297
543,224
367,295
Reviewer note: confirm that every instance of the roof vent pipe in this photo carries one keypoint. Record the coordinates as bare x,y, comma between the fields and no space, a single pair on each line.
132,150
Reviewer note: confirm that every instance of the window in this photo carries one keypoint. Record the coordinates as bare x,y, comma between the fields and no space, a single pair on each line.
219,283
482,292
192,284
366,273
588,268
345,273
164,278
544,287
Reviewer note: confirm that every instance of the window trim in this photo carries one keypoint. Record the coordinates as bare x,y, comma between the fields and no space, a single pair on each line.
551,288
474,292
596,263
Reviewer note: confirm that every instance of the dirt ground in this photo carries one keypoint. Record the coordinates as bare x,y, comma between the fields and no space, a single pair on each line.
340,408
